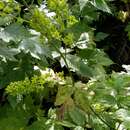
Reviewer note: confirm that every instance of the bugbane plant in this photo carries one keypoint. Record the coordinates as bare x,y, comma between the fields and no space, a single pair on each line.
52,75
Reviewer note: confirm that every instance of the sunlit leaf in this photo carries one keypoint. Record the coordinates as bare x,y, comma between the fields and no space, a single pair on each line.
101,5
66,123
33,46
79,128
82,3
7,53
16,31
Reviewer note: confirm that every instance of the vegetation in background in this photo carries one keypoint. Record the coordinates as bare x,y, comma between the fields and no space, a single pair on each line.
58,65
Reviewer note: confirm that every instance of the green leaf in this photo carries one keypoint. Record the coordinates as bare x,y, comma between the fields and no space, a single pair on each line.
13,101
78,128
39,2
95,56
83,41
78,29
127,29
102,58
11,123
2,5
81,100
12,119
109,119
124,115
89,12
38,125
77,116
7,53
4,20
64,93
66,124
79,66
100,36
33,46
82,3
55,127
16,32
101,5
4,36
87,53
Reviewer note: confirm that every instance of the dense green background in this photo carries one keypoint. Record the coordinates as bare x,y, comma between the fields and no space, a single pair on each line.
64,65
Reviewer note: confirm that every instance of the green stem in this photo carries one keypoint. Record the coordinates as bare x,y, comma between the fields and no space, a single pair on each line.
101,118
118,126
64,58
25,3
32,2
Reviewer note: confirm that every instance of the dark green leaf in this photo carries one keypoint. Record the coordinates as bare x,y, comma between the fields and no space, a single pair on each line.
79,66
100,36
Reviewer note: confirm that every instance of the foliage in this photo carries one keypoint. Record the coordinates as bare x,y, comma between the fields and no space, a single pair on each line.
39,35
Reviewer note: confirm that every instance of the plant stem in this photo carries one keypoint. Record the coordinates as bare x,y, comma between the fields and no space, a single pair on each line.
64,58
118,126
101,119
